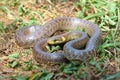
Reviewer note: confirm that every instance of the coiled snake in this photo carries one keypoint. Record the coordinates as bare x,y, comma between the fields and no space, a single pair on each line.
36,37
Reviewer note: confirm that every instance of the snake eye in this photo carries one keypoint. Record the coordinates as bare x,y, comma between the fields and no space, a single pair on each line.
59,40
55,40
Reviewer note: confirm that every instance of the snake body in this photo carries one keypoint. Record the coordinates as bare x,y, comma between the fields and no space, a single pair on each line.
36,37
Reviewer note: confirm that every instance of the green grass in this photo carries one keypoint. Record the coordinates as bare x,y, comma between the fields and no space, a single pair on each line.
105,13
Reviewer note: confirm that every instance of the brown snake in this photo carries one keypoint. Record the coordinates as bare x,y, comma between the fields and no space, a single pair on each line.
37,37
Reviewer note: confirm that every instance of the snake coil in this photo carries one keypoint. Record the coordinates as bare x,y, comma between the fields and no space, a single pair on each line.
36,37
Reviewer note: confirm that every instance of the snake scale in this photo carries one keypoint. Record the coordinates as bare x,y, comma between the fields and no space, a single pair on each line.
37,36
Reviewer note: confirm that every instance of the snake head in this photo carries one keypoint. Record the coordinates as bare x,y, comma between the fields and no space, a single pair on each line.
58,40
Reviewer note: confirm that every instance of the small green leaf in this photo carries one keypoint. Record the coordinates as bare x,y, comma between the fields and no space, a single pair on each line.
92,62
118,49
15,2
79,14
68,72
68,69
14,55
98,66
35,76
28,65
52,48
55,48
61,68
20,77
20,9
5,9
46,76
13,64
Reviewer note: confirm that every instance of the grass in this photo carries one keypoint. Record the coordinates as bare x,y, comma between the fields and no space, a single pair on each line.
104,66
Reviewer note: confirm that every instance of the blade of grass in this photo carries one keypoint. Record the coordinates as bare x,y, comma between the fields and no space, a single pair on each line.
111,77
5,9
95,15
118,23
111,45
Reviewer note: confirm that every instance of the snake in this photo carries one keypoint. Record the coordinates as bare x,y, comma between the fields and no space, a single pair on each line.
37,36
